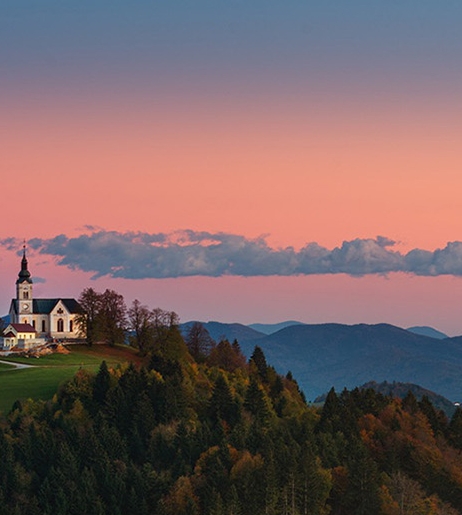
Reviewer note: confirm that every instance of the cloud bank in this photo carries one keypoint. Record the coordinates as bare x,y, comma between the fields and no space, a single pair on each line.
137,255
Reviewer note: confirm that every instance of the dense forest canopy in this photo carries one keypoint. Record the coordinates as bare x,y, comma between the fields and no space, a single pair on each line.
199,430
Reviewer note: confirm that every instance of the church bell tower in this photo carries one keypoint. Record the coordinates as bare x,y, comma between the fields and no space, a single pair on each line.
24,287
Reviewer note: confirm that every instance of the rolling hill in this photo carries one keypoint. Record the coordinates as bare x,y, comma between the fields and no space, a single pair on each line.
273,328
231,332
325,355
427,331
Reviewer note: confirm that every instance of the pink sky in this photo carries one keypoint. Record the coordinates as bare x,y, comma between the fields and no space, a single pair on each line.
296,172
299,172
301,122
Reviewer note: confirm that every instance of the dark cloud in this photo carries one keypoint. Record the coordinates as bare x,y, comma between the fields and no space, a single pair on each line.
136,255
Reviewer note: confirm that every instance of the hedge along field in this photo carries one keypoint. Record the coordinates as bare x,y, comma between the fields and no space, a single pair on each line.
42,379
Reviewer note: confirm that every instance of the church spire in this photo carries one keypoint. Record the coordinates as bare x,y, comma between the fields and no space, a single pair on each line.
24,274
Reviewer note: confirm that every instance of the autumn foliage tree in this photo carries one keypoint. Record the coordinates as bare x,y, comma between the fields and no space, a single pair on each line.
104,316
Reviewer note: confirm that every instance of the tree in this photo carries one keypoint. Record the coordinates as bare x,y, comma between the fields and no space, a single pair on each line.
140,320
363,493
181,499
455,429
199,341
89,321
102,384
331,414
167,339
104,316
256,402
222,405
113,316
259,360
437,419
226,356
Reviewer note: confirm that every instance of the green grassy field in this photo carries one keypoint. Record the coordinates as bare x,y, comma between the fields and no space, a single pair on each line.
42,379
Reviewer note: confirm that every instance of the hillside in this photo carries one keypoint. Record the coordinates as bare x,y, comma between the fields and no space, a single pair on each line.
273,328
174,436
401,390
427,331
43,376
326,355
219,330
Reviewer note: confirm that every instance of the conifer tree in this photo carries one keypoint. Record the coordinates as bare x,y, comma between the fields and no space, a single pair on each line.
222,405
102,384
259,360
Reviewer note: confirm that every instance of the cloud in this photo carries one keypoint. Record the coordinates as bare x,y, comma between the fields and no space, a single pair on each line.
137,255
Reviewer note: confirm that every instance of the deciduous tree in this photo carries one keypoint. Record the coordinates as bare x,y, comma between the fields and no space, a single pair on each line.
140,320
199,341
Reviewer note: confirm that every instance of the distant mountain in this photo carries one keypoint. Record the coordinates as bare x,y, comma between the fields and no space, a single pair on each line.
273,328
424,330
218,331
326,355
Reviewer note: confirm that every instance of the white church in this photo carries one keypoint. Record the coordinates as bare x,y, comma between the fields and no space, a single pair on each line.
47,318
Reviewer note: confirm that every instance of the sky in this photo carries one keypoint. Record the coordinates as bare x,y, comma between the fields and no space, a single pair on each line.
236,161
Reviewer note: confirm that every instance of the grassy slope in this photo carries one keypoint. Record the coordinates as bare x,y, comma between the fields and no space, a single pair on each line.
42,379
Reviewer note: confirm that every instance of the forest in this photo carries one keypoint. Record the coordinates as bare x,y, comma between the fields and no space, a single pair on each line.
198,429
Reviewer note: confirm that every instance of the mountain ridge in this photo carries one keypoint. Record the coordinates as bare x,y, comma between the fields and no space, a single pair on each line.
324,355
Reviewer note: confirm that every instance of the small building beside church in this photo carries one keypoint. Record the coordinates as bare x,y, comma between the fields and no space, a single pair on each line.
50,318
21,336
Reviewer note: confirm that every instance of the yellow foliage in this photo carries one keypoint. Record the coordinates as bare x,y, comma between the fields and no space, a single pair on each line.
245,465
181,498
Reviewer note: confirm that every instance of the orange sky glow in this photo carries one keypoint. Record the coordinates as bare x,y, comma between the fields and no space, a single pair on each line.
240,139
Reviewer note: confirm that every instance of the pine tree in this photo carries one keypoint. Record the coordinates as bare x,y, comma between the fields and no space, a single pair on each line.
258,359
102,384
222,405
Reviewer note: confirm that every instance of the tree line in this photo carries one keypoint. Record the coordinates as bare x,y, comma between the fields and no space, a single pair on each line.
106,318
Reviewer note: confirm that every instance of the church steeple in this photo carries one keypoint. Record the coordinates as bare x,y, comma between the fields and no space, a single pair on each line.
24,300
24,274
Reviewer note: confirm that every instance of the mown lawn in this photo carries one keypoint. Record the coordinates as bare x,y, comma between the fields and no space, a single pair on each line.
4,366
42,379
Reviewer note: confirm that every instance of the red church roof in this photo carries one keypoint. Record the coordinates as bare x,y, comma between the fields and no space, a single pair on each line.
23,328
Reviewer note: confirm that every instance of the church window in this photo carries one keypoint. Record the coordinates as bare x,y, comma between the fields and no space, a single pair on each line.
71,326
33,324
43,326
25,295
60,325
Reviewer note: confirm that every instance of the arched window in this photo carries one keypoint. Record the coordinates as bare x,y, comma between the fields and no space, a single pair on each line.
44,327
33,324
60,325
25,295
71,326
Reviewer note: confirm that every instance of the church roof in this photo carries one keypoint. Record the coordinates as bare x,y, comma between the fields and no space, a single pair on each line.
45,306
23,328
